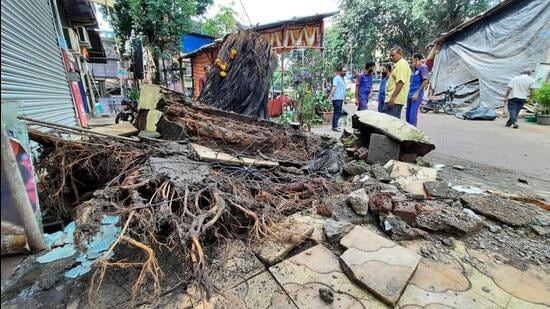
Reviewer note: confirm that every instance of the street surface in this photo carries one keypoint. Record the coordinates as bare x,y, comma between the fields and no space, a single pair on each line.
524,151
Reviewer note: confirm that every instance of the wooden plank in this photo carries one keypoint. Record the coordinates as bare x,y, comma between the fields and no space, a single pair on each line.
210,155
120,129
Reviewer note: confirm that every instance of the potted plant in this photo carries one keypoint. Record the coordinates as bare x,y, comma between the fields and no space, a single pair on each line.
542,97
323,106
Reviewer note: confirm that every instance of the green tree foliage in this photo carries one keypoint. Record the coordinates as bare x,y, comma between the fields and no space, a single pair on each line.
364,27
160,22
222,23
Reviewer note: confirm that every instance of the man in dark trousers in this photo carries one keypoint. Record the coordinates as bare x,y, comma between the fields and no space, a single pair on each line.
363,87
419,80
337,95
519,89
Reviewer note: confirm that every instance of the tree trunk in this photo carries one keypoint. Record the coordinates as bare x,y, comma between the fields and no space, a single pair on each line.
156,77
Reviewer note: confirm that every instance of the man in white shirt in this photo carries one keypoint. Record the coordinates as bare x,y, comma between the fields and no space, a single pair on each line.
519,89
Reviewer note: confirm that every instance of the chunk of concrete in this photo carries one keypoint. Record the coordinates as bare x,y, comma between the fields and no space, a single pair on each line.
380,203
355,168
303,275
400,230
450,220
335,230
378,264
412,140
504,210
359,201
382,149
439,189
380,173
411,177
312,221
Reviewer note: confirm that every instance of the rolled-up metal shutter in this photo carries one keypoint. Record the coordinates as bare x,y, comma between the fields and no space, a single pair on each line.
32,69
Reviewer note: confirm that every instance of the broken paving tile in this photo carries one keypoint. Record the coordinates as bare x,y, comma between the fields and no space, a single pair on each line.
261,291
302,275
317,223
233,263
335,230
58,253
292,234
411,177
400,230
380,265
504,210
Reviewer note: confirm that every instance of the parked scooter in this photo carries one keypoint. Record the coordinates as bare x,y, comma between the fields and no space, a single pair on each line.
446,103
128,112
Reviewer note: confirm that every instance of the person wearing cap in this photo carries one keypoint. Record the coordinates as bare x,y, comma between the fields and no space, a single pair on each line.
519,90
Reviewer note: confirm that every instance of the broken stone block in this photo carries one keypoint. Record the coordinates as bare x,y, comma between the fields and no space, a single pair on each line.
541,230
400,230
412,140
380,203
312,221
355,168
439,189
359,201
382,149
449,220
504,210
291,235
335,230
380,173
410,177
407,211
378,264
303,275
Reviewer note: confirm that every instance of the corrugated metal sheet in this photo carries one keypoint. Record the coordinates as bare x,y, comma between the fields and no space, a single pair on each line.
32,71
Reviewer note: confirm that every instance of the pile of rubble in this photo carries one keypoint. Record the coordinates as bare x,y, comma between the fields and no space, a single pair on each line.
198,216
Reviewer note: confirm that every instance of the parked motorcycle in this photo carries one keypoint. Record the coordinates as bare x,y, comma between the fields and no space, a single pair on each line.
446,103
128,112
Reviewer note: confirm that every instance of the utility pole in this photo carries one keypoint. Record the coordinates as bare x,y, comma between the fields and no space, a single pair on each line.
19,194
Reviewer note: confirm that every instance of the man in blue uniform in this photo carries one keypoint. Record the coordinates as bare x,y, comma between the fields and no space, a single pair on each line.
363,87
386,71
419,80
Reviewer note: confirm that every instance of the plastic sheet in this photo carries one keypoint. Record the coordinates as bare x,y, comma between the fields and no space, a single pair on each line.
494,50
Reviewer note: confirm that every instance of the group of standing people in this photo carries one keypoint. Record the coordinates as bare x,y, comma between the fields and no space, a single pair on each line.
400,86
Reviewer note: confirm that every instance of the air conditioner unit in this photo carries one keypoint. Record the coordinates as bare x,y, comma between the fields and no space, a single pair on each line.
72,40
83,38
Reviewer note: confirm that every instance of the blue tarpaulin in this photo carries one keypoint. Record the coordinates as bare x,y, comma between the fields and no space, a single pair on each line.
192,42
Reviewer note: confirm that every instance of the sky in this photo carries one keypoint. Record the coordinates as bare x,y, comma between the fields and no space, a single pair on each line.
267,11
264,11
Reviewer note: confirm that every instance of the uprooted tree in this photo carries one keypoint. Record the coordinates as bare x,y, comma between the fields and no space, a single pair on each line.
240,80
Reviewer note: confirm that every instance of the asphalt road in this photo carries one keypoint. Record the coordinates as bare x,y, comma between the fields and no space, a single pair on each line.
524,151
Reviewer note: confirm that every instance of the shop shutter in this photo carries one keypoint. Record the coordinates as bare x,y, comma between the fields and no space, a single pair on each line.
33,73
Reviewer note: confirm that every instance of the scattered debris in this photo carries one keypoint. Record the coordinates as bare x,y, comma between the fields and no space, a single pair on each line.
449,220
359,201
459,167
504,210
438,189
335,230
400,230
410,177
355,168
380,203
380,173
470,189
326,295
